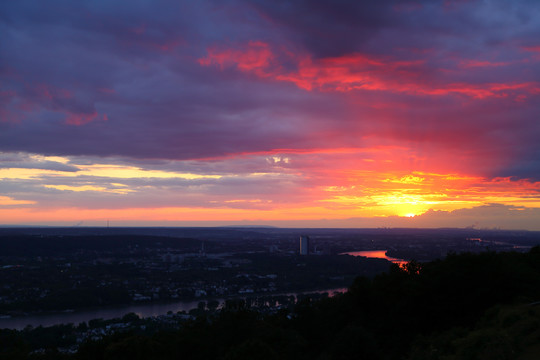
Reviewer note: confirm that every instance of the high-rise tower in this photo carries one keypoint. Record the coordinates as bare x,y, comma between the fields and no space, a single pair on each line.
304,245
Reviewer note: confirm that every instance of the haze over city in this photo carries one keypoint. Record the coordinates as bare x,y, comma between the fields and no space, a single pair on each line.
301,114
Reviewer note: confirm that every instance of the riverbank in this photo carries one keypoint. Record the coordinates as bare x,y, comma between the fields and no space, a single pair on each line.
376,254
142,310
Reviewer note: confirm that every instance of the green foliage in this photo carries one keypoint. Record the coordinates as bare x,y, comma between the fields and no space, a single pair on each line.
12,345
134,348
504,332
130,317
464,307
252,349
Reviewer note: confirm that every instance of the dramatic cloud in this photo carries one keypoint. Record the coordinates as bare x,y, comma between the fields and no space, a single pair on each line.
260,110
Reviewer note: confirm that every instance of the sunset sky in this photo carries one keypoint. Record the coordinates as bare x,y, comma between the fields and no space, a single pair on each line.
297,114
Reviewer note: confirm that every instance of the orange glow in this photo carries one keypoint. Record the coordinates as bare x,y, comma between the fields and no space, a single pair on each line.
342,194
290,185
271,112
22,215
6,200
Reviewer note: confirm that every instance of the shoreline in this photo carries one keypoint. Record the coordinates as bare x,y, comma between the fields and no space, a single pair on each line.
145,309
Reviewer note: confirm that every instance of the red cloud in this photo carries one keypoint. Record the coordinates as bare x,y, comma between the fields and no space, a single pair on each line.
358,72
45,91
535,50
468,64
532,48
256,58
81,119
107,91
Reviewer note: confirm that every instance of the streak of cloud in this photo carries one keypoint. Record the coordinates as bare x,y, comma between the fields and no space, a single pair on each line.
333,106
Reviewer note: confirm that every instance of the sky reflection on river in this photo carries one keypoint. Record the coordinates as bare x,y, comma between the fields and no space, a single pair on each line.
142,310
379,254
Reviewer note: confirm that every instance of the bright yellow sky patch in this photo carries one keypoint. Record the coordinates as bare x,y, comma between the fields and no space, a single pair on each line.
110,171
89,188
129,172
26,174
59,159
333,192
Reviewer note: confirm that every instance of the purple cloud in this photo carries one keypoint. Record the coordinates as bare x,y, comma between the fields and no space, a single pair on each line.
104,79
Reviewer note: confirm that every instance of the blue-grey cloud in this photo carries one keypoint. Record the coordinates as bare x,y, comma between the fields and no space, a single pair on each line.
26,161
102,79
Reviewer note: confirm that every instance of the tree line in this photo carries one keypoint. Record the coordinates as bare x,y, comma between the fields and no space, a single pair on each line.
466,306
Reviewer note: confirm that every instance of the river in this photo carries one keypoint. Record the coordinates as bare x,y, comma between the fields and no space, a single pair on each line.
142,310
379,254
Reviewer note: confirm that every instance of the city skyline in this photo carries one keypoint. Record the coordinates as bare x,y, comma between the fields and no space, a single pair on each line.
301,114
